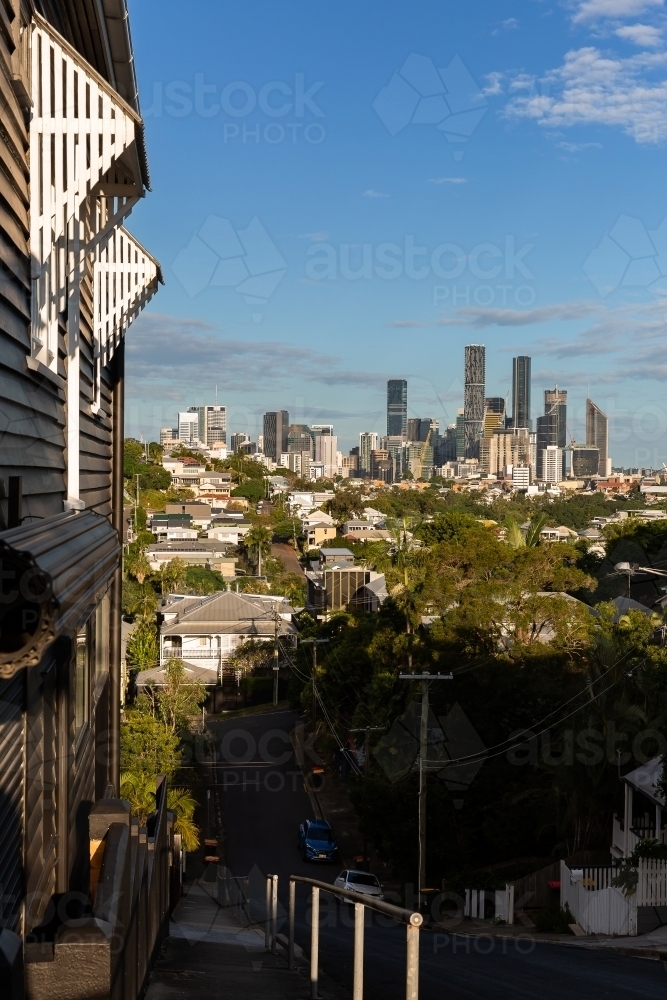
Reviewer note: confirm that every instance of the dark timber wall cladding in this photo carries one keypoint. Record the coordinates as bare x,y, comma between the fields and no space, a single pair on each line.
31,406
12,703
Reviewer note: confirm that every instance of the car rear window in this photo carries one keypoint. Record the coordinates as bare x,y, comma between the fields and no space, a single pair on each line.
361,878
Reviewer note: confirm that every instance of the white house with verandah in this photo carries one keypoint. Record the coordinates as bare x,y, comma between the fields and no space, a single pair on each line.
205,631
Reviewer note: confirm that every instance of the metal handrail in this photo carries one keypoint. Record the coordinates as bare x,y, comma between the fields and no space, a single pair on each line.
413,922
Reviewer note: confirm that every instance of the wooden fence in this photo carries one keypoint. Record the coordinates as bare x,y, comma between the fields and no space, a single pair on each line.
135,882
652,883
597,910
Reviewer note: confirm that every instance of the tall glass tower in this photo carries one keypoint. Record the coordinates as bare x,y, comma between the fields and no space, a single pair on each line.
597,435
397,408
473,398
521,392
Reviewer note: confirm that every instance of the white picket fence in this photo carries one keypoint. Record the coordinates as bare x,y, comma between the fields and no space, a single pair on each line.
652,883
597,910
502,900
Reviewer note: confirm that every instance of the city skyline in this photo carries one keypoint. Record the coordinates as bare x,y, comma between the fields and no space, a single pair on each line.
494,443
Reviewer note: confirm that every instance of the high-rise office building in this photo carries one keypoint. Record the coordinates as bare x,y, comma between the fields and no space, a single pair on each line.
188,427
299,439
494,414
521,392
325,448
419,428
460,436
552,428
368,442
276,424
212,424
473,398
585,460
397,408
381,465
597,435
238,440
553,464
555,401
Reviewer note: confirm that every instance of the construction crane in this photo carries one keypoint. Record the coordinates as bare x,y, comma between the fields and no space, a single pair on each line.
422,455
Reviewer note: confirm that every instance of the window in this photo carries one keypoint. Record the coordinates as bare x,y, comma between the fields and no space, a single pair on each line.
202,640
102,639
82,677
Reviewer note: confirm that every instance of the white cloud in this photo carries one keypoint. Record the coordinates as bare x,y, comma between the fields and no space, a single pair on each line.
643,35
483,317
448,180
595,10
175,356
375,194
576,147
595,89
494,85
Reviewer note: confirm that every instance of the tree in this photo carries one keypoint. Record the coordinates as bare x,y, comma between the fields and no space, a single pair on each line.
258,541
250,655
147,746
172,576
143,646
137,565
183,805
178,702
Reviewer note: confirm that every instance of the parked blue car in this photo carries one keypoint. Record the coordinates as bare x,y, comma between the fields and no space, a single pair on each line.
316,841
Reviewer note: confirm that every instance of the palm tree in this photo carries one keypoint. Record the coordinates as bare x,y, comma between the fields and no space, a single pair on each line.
258,540
172,576
137,565
182,804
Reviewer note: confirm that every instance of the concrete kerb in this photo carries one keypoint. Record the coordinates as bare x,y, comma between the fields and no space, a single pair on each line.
590,943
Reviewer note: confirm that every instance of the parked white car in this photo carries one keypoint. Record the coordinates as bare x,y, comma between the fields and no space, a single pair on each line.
361,882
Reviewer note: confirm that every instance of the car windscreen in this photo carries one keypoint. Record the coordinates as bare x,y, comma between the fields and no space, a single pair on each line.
321,836
361,878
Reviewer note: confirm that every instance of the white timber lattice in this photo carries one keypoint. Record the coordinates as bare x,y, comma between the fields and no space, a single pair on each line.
85,178
125,280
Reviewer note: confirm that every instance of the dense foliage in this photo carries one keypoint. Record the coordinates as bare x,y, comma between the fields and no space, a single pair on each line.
559,692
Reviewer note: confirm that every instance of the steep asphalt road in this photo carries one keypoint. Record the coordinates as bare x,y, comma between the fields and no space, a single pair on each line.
263,801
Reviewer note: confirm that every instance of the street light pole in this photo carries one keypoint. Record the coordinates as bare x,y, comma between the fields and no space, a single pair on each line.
426,680
313,703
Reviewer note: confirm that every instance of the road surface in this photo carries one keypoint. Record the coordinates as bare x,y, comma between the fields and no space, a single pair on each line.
263,802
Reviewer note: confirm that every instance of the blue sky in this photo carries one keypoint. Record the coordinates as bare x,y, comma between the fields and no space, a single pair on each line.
348,193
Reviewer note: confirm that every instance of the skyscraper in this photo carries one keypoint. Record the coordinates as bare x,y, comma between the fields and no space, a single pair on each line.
212,424
494,414
473,398
397,408
597,435
555,401
521,392
368,442
299,439
276,424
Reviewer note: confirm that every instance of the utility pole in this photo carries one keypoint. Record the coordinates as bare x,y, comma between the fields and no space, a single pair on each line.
136,507
367,770
313,704
426,680
275,659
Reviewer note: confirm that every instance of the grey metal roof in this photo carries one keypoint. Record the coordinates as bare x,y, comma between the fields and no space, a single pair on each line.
226,610
645,780
157,676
